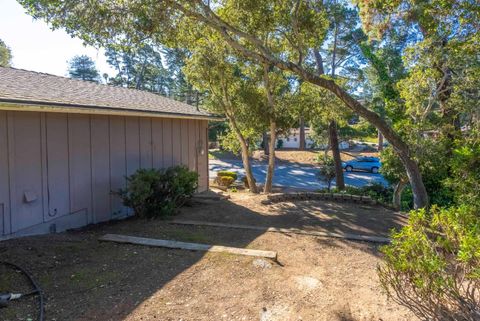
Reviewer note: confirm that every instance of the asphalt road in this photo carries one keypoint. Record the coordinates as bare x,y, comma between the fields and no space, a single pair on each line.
293,175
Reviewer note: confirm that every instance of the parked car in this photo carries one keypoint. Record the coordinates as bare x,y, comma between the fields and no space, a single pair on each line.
363,163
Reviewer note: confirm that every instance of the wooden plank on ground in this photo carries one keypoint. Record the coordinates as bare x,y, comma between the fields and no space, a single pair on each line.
347,236
186,246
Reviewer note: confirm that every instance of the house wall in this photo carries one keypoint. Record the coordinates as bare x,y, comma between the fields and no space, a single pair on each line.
293,141
57,170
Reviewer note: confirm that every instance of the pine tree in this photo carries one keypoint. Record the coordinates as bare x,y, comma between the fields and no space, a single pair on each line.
83,67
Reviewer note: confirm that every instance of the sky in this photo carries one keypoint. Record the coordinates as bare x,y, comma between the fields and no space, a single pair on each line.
36,47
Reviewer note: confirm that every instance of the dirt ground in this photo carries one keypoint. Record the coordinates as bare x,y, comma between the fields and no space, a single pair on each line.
317,278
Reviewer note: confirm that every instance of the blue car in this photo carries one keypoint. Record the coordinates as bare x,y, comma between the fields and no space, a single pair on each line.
363,163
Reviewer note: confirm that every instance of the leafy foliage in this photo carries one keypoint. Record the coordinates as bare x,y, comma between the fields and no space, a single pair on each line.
433,264
465,178
155,193
229,140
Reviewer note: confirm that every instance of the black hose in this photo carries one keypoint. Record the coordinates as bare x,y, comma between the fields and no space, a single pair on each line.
37,290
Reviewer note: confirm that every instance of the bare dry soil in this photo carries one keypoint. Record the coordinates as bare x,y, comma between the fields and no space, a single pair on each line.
315,279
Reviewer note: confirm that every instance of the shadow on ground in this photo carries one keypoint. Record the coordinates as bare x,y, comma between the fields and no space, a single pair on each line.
84,279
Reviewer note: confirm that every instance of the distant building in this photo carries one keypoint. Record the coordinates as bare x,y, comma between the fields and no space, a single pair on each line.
292,140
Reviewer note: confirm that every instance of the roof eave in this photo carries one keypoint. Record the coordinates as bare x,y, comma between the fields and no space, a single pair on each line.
40,106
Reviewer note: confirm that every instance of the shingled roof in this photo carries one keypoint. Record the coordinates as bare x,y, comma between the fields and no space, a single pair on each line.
22,87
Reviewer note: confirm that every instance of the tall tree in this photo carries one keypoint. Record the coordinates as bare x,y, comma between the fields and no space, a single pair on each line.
83,67
5,55
180,88
139,68
280,34
228,91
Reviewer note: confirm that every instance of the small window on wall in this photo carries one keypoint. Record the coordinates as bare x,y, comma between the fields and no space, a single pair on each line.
295,139
288,139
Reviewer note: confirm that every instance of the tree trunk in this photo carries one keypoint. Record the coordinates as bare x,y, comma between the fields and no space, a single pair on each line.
380,141
420,196
245,157
333,137
332,127
265,143
271,158
397,194
248,167
302,134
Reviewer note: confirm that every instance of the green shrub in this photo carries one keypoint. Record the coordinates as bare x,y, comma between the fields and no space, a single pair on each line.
432,265
225,180
465,174
153,192
228,173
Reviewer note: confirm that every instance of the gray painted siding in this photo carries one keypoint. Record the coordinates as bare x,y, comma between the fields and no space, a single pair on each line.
57,170
4,177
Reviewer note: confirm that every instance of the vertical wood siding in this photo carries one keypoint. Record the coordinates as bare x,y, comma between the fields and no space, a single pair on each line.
60,169
80,160
57,164
4,183
26,170
146,143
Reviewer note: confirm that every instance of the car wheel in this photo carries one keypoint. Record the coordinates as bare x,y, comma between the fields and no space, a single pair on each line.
374,170
349,168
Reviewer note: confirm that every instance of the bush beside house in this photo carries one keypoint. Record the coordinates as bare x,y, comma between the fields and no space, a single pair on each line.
155,193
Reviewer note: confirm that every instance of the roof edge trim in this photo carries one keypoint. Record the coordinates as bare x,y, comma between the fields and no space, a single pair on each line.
21,105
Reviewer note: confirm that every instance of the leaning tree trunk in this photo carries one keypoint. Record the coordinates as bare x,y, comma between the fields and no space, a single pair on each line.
245,157
397,194
248,167
271,158
333,137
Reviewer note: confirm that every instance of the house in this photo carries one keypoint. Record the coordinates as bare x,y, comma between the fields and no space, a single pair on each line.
66,144
292,139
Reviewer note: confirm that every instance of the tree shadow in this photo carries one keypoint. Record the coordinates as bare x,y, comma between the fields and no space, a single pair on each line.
84,279
293,175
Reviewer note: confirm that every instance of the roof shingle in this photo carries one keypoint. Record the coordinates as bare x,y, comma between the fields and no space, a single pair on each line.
22,86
